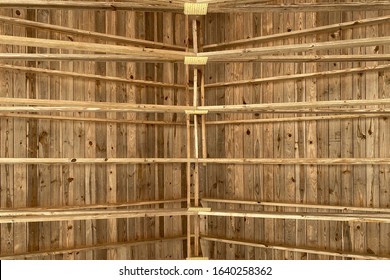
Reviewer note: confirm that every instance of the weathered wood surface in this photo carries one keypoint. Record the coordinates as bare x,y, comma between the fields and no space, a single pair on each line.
305,134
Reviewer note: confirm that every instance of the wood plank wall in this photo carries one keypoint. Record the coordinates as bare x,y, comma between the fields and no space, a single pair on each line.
79,185
365,186
57,186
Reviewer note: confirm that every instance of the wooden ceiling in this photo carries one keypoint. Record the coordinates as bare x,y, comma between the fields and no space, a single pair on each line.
271,143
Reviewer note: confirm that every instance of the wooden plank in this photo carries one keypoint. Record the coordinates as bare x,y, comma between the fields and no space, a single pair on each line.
268,183
301,250
250,52
289,139
87,33
55,147
52,72
346,143
291,34
359,149
372,143
278,139
101,141
94,47
383,87
68,183
44,136
6,141
229,143
321,75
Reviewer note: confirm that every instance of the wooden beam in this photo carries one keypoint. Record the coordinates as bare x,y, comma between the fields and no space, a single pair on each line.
306,58
85,119
93,47
93,206
296,205
48,216
344,217
82,57
296,33
263,161
85,106
308,47
41,254
296,249
135,58
301,7
300,106
89,76
129,5
89,34
301,76
299,119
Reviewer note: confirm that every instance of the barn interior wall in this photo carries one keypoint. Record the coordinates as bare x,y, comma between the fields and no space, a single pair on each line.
45,186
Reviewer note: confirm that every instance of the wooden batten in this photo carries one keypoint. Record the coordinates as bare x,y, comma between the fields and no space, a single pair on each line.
194,130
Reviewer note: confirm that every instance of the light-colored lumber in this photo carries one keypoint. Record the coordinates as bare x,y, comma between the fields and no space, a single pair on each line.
231,161
93,47
297,249
298,119
297,205
302,32
59,73
89,248
284,78
87,215
307,47
135,58
83,119
362,218
129,5
86,33
303,58
302,7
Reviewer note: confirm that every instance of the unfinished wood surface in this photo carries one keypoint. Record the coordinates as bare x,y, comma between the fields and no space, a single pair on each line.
96,112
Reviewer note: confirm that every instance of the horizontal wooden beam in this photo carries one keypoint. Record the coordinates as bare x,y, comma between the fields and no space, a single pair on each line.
307,250
305,216
90,76
50,216
334,106
307,47
92,206
300,76
297,119
243,161
295,205
46,253
305,58
178,6
296,33
82,57
300,106
129,5
93,47
84,106
84,119
89,34
301,7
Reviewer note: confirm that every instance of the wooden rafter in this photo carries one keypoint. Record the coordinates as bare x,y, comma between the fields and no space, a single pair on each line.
301,76
295,249
93,47
89,76
45,253
303,32
238,161
307,47
89,34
